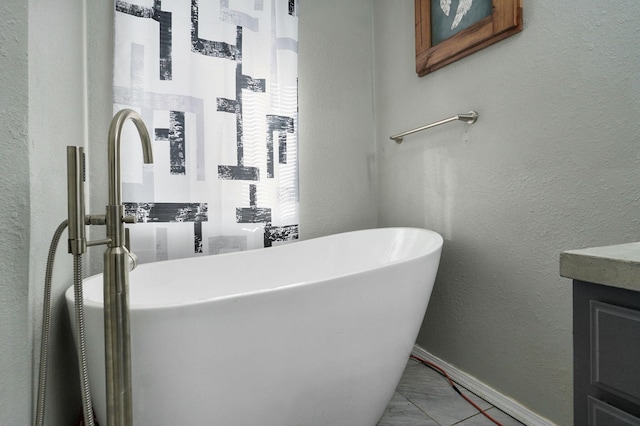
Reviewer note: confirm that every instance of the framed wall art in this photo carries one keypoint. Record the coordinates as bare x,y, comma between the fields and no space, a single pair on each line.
448,30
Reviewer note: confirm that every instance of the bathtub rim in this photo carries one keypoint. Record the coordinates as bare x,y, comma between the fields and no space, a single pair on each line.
433,248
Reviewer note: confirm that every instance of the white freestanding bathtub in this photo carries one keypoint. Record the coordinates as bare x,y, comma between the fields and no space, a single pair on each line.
313,333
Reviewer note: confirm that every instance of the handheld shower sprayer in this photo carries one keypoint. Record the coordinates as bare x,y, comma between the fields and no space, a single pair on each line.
75,199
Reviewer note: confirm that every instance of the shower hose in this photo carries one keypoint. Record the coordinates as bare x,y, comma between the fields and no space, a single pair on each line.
87,409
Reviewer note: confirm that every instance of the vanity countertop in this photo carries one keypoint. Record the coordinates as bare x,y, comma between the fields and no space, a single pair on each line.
615,266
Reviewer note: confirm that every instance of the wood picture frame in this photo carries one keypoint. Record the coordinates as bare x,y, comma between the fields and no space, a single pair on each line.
504,19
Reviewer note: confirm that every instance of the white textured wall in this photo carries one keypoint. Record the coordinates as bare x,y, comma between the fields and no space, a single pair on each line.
553,163
56,119
337,155
15,346
100,22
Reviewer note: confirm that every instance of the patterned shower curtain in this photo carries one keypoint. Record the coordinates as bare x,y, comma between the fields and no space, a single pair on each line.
216,84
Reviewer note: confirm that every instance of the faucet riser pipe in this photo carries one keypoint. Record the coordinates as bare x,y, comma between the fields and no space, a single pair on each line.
117,337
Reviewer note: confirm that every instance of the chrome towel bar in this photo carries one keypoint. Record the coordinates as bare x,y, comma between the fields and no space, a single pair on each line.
469,118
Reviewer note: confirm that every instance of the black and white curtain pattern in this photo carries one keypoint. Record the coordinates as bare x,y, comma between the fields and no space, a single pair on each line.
216,84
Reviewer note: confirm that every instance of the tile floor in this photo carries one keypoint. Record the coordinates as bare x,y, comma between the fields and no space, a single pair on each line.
425,398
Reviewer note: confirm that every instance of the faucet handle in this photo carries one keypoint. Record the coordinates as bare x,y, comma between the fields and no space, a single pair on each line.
127,239
133,259
129,219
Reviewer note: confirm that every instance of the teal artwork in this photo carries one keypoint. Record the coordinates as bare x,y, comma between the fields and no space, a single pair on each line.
449,17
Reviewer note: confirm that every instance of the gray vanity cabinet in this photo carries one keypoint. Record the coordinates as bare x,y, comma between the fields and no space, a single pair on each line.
606,325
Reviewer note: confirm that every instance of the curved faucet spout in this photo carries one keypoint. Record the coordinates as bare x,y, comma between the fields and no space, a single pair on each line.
115,132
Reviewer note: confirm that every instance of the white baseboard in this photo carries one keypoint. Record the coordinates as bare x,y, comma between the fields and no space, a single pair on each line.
492,396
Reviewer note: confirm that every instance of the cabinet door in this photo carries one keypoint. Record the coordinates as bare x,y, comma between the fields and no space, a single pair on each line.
606,348
615,350
603,414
